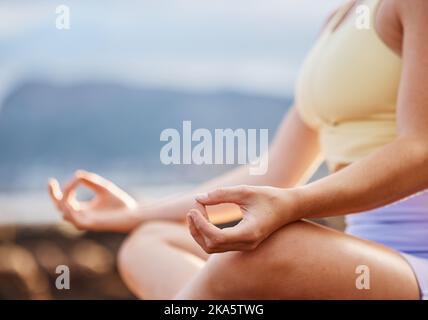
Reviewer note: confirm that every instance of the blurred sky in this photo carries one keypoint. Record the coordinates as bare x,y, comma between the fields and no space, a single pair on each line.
249,45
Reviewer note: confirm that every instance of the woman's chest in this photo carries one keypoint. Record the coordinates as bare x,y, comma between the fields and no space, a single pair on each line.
351,73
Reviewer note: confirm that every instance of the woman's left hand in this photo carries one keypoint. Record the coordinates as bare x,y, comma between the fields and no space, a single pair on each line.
265,209
112,209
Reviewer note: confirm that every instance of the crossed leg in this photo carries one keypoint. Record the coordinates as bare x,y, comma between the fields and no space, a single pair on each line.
302,260
158,259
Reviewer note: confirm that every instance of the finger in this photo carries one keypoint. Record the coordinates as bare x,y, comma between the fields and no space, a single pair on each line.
75,217
200,207
69,190
54,190
99,184
210,246
213,235
246,232
195,233
243,236
69,196
65,210
57,196
238,195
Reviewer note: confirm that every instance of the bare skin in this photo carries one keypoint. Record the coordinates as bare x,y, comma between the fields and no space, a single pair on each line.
272,253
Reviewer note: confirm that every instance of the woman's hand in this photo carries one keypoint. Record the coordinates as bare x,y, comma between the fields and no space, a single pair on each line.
112,209
264,209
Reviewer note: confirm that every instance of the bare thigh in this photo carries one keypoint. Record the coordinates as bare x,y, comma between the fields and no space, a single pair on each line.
304,260
172,233
158,259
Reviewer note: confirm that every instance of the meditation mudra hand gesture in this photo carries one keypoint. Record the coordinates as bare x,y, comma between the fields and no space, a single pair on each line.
264,209
112,209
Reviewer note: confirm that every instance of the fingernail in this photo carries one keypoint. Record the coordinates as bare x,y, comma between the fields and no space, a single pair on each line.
201,196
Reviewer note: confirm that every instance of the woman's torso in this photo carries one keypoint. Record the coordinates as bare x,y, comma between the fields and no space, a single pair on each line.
348,87
348,90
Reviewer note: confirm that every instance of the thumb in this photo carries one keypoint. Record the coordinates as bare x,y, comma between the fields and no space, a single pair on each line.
237,195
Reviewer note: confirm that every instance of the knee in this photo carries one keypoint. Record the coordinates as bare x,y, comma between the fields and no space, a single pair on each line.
242,274
227,276
133,247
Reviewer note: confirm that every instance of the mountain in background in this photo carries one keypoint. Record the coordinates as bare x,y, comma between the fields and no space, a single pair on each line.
47,129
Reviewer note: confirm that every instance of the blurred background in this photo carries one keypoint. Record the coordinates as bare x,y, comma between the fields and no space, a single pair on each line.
97,96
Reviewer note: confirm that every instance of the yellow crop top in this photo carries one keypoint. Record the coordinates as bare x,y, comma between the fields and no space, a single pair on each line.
347,89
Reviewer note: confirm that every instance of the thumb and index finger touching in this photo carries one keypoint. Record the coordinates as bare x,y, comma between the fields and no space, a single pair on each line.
92,181
202,229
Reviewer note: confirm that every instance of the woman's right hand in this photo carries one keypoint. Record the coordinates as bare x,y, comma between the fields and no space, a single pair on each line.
112,209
